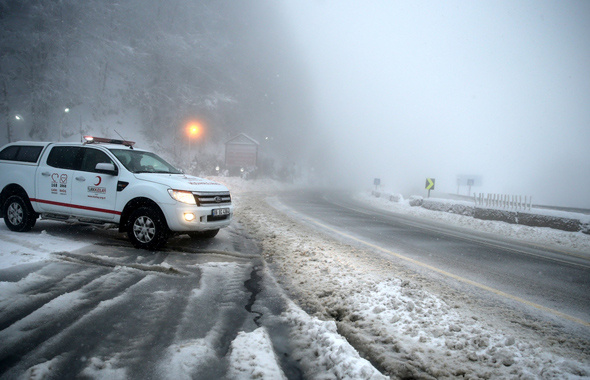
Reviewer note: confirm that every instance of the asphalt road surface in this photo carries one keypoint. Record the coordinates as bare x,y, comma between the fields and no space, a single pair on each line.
553,283
113,311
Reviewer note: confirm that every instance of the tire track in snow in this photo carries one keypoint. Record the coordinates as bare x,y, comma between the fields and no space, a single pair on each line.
34,291
135,326
88,315
200,348
23,336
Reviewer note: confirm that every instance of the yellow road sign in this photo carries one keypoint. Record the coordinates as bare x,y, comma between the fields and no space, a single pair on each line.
430,183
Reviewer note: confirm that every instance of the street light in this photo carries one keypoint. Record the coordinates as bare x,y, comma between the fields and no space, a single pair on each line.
9,126
61,122
194,130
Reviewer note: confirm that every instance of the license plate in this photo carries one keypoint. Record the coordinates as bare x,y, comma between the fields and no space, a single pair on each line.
220,211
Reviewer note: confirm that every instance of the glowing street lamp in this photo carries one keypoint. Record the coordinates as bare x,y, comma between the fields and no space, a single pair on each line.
194,131
61,122
18,118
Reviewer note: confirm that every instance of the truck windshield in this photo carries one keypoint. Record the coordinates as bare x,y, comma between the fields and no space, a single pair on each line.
143,162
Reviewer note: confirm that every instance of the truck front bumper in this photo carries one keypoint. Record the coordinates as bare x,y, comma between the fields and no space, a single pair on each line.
188,218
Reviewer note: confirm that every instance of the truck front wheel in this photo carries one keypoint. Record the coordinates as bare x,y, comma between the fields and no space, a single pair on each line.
147,229
19,216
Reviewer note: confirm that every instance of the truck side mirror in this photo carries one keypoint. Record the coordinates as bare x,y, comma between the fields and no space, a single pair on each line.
106,168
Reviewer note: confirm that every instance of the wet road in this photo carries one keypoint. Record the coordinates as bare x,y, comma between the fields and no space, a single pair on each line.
544,280
112,311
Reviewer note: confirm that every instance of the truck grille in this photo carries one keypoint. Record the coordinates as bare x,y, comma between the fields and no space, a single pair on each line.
204,198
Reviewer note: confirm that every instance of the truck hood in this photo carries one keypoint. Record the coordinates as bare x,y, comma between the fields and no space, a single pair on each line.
182,182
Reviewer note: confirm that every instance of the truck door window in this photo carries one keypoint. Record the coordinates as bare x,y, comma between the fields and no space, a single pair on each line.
29,153
9,153
93,157
21,153
65,157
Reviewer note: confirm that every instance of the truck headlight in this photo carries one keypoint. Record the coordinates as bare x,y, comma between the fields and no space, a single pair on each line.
182,196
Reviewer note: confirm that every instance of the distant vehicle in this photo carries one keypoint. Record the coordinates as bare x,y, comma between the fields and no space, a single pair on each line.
107,181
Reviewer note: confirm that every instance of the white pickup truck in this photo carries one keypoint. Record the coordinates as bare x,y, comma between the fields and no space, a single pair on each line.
106,181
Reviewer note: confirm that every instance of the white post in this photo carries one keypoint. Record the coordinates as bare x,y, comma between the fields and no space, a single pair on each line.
514,202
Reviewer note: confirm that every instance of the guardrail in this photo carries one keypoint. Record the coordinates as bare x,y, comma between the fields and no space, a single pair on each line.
514,202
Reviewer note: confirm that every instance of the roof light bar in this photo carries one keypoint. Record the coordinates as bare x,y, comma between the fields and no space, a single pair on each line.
92,140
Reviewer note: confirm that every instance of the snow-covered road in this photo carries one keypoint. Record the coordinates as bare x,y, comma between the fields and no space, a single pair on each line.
553,281
107,312
407,323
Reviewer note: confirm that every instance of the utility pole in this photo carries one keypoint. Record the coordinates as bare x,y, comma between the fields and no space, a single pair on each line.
6,109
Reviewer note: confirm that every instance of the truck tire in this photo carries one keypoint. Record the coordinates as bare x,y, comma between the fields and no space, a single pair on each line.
147,229
19,216
203,234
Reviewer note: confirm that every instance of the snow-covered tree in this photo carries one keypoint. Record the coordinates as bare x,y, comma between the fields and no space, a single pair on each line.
227,64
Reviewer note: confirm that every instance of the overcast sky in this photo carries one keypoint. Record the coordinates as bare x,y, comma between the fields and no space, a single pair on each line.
416,89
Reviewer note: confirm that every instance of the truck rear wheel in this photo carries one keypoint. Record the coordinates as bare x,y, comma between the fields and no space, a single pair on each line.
19,216
147,229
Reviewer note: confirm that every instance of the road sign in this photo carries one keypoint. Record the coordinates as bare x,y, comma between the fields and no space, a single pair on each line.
377,181
430,183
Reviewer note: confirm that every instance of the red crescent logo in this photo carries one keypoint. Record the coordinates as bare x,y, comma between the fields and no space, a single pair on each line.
99,181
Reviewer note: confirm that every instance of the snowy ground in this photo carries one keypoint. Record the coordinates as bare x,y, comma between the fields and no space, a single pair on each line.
406,325
75,313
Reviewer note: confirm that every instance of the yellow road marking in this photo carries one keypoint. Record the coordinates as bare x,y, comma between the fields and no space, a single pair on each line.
448,274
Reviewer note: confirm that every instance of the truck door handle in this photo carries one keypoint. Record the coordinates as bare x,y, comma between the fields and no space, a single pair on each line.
45,174
81,179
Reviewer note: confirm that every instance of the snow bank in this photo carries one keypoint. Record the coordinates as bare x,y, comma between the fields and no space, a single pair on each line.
566,221
561,220
252,357
454,207
322,351
183,360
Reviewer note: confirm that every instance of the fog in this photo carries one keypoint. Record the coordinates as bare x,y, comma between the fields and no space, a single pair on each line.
341,92
407,90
